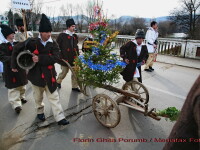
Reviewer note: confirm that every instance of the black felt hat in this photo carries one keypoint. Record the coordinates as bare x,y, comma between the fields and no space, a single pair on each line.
19,22
6,30
139,34
45,24
70,22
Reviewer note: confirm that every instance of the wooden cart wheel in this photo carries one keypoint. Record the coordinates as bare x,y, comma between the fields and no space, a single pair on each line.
106,110
137,88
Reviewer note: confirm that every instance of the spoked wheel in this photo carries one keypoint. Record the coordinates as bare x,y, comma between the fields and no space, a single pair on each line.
106,110
137,88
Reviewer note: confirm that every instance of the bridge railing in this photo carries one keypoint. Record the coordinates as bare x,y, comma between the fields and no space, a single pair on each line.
169,46
166,46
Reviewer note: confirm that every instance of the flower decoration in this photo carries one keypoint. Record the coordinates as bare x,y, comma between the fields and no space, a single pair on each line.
36,52
98,25
108,66
100,65
97,11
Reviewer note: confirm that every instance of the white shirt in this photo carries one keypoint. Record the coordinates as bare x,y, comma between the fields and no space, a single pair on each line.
69,32
45,42
6,41
138,48
151,36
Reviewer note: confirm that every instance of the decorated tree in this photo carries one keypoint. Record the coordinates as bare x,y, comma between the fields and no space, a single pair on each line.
99,65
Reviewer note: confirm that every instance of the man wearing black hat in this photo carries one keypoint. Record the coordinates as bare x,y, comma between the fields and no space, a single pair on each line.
43,74
14,81
20,36
134,53
68,43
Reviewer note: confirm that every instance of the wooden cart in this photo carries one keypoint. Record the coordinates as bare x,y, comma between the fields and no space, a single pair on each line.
133,94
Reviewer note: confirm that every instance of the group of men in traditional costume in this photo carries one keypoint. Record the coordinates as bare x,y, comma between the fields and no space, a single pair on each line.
46,52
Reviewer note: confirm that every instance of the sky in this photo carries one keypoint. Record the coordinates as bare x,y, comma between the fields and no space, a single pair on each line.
114,8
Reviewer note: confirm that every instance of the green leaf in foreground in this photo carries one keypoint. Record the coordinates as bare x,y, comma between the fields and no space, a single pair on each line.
171,113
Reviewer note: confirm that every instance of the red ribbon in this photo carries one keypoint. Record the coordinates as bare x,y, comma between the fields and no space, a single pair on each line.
10,48
36,52
42,76
14,80
50,67
53,80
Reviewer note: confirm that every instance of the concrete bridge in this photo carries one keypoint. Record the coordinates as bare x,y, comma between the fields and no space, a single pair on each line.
166,46
171,46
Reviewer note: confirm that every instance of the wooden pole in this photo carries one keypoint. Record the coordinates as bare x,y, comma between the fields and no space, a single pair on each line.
117,90
24,21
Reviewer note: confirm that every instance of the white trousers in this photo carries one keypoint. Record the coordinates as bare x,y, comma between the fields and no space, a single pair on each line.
15,95
53,98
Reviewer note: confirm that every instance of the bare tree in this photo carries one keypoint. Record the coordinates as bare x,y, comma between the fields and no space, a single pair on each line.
70,9
10,18
36,12
55,22
197,33
166,28
130,26
79,17
90,17
137,23
65,12
57,25
113,23
29,15
187,17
